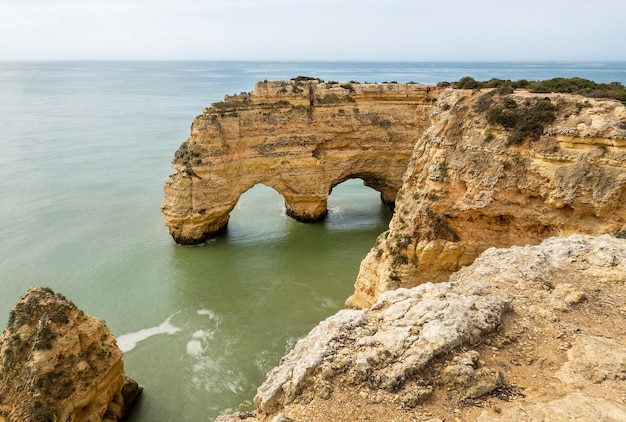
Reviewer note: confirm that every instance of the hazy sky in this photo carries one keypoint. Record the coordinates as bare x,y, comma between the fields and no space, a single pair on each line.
407,30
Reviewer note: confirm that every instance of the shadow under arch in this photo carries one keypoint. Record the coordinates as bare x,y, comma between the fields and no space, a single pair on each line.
258,215
354,205
371,180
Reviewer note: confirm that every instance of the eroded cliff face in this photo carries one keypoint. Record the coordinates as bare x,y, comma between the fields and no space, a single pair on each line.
523,334
300,137
59,364
500,170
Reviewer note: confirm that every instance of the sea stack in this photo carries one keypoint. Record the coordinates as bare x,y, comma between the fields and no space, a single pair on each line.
301,137
57,363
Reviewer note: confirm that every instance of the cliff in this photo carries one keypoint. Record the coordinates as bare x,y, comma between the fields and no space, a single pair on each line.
500,169
301,137
522,334
59,364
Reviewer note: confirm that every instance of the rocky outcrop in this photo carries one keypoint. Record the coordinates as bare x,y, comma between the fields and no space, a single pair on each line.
520,331
301,137
59,364
525,333
500,169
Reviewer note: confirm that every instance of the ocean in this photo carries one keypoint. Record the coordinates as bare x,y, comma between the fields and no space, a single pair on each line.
84,150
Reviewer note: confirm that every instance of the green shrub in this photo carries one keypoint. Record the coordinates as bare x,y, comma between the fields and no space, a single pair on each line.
376,120
510,103
306,78
614,90
527,121
40,412
349,87
443,168
334,99
467,82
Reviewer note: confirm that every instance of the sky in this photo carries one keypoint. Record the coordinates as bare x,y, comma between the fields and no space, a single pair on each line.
332,30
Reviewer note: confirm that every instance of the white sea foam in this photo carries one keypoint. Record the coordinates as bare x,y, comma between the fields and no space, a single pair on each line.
198,343
335,211
128,342
207,312
194,347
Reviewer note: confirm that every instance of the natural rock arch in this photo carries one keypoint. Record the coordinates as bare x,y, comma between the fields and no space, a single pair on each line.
299,138
275,191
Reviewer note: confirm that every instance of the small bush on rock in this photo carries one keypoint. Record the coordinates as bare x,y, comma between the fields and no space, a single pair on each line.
527,121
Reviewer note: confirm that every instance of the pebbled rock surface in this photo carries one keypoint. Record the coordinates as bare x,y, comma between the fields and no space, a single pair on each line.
59,364
524,333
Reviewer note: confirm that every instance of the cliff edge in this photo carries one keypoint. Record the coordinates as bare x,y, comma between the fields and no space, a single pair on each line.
452,318
522,334
59,364
499,169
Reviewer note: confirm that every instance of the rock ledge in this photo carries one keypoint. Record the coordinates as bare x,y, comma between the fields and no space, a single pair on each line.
523,334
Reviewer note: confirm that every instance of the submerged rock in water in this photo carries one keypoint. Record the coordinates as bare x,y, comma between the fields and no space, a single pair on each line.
57,363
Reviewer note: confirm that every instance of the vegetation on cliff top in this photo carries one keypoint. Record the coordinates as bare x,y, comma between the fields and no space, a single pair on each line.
614,90
525,120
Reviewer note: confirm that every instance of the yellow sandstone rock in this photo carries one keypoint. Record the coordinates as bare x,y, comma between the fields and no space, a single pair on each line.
58,363
300,137
471,185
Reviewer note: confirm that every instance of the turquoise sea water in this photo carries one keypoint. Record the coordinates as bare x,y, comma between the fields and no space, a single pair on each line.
84,150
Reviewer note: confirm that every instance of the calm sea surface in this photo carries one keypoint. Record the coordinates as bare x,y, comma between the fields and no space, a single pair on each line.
84,150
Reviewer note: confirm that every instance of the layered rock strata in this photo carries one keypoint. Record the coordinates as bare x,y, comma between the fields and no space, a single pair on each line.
300,137
500,169
59,364
522,334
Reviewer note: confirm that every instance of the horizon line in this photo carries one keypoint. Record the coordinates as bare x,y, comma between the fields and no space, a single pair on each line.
313,61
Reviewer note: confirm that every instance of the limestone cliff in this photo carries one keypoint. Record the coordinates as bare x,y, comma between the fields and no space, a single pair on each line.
59,364
301,137
523,334
500,169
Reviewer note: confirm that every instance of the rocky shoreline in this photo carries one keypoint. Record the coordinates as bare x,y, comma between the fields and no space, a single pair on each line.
497,294
522,334
516,333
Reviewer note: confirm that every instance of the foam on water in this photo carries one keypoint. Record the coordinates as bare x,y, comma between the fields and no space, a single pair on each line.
128,342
